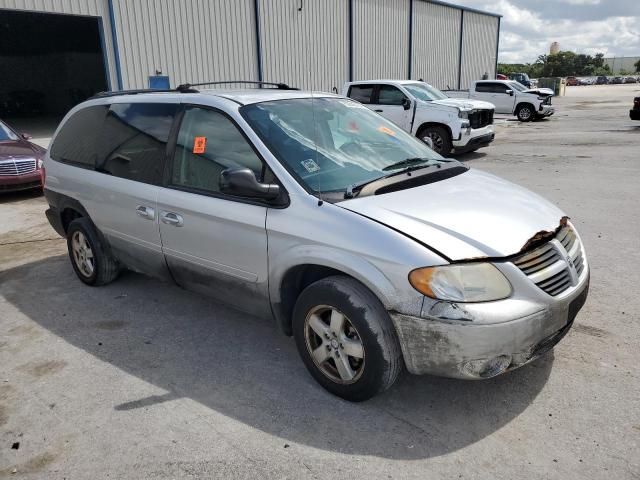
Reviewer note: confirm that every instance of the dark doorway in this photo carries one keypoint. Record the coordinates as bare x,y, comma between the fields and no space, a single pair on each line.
48,63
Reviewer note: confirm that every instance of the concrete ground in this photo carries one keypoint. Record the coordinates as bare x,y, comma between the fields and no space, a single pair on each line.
140,379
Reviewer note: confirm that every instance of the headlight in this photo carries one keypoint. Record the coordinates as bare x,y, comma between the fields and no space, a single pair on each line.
469,282
463,113
39,163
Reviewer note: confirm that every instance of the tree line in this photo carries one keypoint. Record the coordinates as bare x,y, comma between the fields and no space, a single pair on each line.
562,64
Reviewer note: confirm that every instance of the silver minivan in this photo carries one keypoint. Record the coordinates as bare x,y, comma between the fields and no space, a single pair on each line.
371,250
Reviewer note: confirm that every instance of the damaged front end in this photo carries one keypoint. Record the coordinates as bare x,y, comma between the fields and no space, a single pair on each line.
549,280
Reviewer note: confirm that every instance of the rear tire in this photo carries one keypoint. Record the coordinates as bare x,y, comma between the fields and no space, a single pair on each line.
90,258
441,138
346,338
525,112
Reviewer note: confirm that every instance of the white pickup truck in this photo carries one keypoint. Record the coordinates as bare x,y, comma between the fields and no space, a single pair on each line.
453,125
511,98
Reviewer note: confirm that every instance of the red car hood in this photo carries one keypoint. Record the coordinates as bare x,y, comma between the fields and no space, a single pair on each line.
19,148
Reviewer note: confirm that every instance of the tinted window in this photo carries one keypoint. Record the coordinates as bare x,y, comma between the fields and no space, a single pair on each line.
484,87
208,143
77,141
134,140
390,95
500,88
361,93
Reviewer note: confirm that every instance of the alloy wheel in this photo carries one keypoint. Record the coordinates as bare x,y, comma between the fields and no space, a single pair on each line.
334,344
82,254
438,141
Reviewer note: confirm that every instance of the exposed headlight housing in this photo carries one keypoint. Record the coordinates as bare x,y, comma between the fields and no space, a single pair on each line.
467,282
463,113
465,124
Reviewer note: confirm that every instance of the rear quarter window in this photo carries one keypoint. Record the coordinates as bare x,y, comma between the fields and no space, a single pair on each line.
77,141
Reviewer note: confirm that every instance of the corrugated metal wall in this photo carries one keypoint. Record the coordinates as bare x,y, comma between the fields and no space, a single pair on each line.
305,44
479,38
436,44
93,8
380,39
189,40
201,40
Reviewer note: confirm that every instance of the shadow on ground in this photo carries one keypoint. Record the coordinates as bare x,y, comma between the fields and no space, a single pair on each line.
245,369
10,197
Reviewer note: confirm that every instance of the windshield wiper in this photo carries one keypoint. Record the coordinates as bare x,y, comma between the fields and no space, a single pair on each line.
405,163
353,189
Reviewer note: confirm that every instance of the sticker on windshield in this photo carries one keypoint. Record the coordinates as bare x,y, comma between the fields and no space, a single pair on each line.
199,144
310,166
386,130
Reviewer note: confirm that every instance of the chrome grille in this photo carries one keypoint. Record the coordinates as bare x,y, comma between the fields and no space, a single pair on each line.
555,266
17,167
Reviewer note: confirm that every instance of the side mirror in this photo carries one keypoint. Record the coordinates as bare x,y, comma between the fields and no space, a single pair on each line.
26,136
510,92
406,103
242,182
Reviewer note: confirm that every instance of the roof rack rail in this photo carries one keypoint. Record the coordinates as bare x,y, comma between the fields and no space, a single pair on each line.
186,87
116,93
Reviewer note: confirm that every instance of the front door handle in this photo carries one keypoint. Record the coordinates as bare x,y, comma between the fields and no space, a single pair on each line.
379,111
171,218
146,212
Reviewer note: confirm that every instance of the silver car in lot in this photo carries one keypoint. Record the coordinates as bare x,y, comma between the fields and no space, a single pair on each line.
371,250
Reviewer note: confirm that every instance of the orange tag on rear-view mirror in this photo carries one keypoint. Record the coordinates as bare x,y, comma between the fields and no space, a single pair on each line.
199,144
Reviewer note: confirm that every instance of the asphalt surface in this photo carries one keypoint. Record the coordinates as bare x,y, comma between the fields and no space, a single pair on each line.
141,379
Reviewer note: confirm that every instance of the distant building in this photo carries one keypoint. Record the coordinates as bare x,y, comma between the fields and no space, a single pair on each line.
618,64
555,48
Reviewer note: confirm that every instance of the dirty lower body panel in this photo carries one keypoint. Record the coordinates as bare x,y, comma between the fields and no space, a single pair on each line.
462,349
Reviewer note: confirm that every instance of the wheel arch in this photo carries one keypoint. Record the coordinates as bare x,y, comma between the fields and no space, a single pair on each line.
289,280
434,124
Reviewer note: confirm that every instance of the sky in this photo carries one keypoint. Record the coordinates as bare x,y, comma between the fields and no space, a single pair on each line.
582,26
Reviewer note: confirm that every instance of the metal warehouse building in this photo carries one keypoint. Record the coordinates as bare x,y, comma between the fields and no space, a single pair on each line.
55,53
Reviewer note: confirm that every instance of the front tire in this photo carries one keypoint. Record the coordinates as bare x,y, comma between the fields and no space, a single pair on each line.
91,261
525,112
442,143
346,339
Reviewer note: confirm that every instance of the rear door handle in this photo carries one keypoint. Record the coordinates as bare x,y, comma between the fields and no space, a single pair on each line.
379,111
146,212
171,218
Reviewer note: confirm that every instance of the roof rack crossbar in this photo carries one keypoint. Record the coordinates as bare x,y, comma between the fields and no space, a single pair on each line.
189,86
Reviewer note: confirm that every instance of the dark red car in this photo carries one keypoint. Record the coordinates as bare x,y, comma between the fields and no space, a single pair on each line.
20,161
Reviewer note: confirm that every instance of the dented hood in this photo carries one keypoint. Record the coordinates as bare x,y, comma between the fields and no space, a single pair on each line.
471,215
465,104
540,91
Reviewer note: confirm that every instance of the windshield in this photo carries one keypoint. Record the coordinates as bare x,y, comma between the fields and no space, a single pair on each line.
517,86
6,133
330,144
425,92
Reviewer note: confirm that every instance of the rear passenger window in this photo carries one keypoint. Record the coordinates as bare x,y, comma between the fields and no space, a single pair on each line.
134,141
361,93
208,143
77,141
390,95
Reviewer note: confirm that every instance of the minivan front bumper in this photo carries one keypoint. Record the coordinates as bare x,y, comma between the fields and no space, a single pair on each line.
439,345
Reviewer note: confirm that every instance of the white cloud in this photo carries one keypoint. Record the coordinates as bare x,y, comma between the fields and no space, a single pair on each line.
583,26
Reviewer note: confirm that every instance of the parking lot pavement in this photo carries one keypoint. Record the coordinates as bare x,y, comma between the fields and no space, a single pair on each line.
140,379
